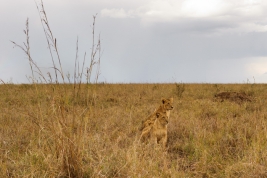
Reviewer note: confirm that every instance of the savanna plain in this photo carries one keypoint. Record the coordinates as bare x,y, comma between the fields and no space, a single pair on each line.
92,130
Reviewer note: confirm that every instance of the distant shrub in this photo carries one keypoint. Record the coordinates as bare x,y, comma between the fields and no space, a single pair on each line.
179,89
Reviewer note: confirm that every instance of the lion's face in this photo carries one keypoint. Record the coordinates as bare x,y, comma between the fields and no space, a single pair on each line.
168,103
162,118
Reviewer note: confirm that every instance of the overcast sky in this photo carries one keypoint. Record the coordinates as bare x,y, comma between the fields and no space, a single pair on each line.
190,41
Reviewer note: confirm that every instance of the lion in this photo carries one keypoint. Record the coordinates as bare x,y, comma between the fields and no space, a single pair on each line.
232,96
157,131
166,106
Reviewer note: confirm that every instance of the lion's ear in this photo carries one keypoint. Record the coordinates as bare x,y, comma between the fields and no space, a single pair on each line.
163,100
171,99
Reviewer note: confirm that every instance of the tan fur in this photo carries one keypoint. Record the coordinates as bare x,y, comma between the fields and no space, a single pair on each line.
157,132
166,106
233,96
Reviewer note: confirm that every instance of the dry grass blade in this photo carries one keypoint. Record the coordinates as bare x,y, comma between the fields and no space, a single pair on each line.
26,50
2,81
51,41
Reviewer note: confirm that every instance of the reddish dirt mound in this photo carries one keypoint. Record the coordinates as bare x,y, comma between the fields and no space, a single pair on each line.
232,96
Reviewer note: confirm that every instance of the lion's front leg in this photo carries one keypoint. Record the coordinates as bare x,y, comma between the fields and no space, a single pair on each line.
164,141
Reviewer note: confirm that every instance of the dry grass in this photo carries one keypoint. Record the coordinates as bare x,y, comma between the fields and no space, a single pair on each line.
91,130
48,131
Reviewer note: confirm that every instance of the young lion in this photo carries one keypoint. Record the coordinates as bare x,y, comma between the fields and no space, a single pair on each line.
166,106
157,131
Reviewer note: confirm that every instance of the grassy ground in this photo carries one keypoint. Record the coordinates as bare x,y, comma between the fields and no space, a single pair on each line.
59,131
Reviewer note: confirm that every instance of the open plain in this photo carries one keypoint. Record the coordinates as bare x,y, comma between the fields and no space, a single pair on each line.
68,130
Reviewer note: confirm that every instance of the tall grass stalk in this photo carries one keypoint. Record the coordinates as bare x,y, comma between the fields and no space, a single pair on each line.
26,50
51,41
61,120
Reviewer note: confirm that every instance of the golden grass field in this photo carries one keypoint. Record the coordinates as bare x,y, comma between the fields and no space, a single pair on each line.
63,131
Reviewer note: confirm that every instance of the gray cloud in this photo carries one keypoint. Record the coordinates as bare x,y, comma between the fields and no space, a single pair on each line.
145,42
